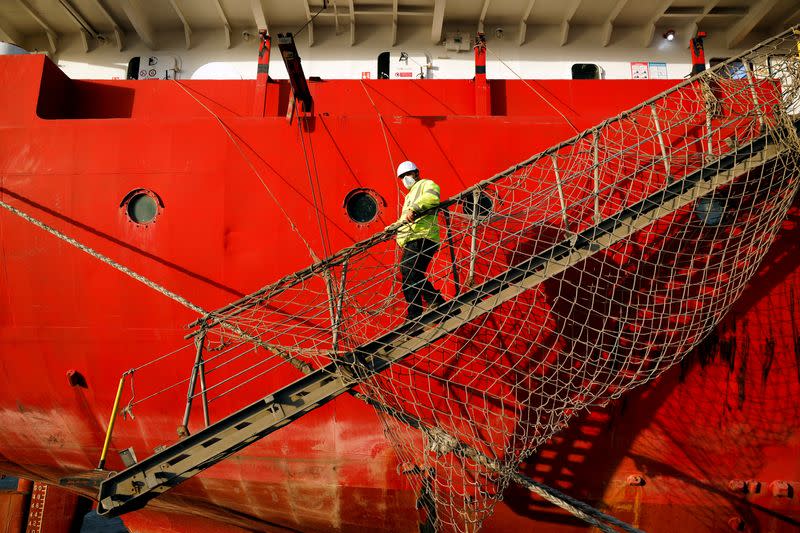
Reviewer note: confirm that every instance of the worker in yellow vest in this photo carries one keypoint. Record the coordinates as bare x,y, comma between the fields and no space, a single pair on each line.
418,237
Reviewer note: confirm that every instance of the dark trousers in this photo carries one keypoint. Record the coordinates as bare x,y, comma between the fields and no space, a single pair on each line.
417,255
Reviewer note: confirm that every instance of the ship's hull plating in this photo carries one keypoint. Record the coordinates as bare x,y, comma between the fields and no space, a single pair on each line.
70,152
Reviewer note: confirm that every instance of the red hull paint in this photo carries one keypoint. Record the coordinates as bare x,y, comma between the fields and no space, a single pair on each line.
70,152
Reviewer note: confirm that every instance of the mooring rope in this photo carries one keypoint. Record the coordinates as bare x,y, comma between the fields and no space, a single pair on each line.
443,442
255,171
577,508
545,100
153,285
105,259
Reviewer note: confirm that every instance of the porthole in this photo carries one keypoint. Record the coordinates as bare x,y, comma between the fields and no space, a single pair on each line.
709,211
141,206
362,205
484,205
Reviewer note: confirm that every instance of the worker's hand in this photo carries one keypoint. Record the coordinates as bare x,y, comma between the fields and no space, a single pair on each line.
410,216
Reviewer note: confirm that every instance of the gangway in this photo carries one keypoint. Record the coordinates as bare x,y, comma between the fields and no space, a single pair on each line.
132,488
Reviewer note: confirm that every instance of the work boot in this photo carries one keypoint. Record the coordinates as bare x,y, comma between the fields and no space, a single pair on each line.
413,315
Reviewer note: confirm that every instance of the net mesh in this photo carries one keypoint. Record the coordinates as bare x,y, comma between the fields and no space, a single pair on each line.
572,277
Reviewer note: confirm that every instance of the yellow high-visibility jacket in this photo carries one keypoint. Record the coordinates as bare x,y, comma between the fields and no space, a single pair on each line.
423,195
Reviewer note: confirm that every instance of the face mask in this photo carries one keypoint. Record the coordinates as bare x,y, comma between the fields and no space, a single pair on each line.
408,181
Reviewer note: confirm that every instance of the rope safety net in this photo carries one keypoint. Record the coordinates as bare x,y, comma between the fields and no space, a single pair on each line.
572,277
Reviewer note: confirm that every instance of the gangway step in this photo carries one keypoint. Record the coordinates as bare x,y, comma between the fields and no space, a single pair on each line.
132,488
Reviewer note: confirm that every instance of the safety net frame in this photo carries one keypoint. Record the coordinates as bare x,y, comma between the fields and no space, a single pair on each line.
510,373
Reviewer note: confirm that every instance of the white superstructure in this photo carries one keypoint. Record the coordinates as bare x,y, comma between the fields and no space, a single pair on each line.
534,38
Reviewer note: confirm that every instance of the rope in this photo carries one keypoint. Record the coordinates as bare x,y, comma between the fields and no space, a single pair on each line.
392,166
310,20
254,170
545,100
107,260
383,126
323,227
162,357
578,508
362,246
156,287
386,142
443,443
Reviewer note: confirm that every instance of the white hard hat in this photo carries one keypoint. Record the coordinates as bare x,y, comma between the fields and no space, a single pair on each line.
406,166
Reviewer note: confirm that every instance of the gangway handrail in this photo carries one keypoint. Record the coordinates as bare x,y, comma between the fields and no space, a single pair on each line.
132,488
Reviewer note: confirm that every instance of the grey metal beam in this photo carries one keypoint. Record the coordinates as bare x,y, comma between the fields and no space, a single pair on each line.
394,22
9,34
608,25
482,17
118,33
571,9
187,30
523,23
310,24
225,24
691,29
140,24
52,37
336,17
649,29
386,11
352,23
438,20
259,16
742,29
84,28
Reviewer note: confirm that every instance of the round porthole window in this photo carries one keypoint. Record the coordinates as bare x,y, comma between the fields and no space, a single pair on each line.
709,211
361,206
141,206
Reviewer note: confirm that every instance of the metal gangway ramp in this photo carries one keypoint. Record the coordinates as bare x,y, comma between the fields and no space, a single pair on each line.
132,488
598,263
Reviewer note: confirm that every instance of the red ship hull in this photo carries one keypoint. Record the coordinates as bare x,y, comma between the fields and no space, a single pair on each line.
230,183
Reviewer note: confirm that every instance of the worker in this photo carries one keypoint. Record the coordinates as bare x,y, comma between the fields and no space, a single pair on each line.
418,237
